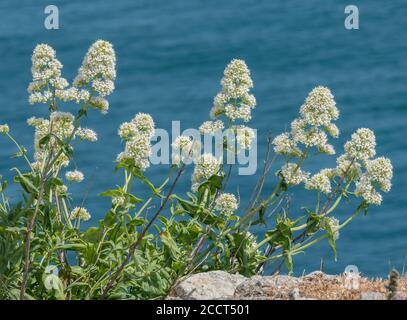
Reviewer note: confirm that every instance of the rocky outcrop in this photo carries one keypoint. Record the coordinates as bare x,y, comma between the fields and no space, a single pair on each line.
216,285
208,285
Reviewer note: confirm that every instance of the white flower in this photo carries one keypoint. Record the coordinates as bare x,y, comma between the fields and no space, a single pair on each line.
379,172
103,87
86,134
345,167
46,72
34,121
218,105
332,129
334,225
58,128
137,134
44,65
234,113
182,143
362,145
293,175
4,128
251,248
284,145
319,108
244,136
98,68
100,103
118,201
185,148
366,190
206,166
62,189
127,130
61,116
138,149
36,166
40,97
73,94
74,176
236,81
144,124
226,203
234,100
309,138
327,149
61,124
211,127
320,182
79,213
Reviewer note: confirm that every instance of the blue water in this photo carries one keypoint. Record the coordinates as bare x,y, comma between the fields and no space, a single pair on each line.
171,55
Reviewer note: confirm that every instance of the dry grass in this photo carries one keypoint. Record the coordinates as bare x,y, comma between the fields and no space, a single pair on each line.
326,288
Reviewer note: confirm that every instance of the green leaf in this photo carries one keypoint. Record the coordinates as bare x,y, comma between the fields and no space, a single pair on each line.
288,261
313,223
25,182
3,186
111,193
109,219
331,238
92,234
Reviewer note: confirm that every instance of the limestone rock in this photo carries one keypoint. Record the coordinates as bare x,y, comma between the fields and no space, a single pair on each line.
371,295
261,286
209,285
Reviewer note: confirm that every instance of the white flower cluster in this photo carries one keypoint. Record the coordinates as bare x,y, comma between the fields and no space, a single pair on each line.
98,72
211,127
62,189
320,181
118,201
311,128
79,213
235,100
283,144
357,165
184,148
250,247
358,150
46,73
379,172
47,82
206,166
59,127
86,134
293,175
74,176
244,136
362,145
137,134
226,204
4,128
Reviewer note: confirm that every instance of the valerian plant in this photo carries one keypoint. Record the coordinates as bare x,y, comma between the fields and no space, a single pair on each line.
139,250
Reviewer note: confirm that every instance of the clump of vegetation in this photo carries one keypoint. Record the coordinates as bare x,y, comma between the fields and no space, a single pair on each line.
136,252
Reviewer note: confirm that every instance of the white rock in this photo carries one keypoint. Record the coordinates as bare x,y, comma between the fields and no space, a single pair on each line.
370,295
208,286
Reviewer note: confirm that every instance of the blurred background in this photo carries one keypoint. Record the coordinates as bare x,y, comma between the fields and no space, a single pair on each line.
170,59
